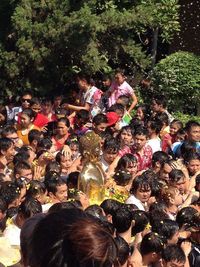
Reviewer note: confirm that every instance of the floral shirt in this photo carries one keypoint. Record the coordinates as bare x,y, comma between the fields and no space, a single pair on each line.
144,158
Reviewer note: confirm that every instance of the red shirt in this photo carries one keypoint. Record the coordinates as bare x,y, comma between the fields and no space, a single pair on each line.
144,158
40,120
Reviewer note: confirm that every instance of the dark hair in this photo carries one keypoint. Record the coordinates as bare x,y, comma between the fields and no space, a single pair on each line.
35,188
122,177
160,100
162,117
9,129
34,135
29,207
141,131
95,210
151,242
126,128
122,219
173,253
52,184
123,250
3,205
72,204
176,175
9,192
84,76
65,121
140,182
125,100
116,107
156,216
100,118
29,112
161,157
186,148
5,144
83,115
185,216
45,143
21,156
141,221
26,92
110,206
72,180
35,101
146,111
155,125
191,156
53,167
111,145
125,161
190,124
21,166
166,229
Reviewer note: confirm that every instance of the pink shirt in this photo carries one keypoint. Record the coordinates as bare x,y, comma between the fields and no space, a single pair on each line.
118,90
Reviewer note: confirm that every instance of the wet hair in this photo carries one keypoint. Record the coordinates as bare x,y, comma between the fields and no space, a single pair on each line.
151,242
166,229
140,182
173,253
111,145
123,250
156,216
100,118
34,135
136,123
161,157
125,161
127,128
29,207
141,221
122,219
110,206
176,175
166,193
122,177
185,216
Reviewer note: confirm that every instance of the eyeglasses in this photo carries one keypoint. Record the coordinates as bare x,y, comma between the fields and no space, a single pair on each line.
26,100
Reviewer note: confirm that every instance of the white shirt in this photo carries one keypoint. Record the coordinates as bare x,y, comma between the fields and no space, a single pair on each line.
12,232
155,144
133,200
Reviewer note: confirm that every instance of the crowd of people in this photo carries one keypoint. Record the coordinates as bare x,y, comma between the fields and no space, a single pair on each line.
150,164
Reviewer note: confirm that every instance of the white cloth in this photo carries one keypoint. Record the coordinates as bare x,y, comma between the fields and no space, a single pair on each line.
133,200
155,144
12,232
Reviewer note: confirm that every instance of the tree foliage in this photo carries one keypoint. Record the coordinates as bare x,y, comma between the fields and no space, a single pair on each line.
43,42
177,77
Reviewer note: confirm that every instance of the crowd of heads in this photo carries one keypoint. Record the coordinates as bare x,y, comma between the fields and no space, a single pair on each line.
149,161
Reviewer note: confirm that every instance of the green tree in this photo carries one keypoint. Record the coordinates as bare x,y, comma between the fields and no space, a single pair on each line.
177,77
43,42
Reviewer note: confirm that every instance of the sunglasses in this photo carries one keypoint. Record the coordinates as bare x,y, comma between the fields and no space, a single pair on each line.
26,100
